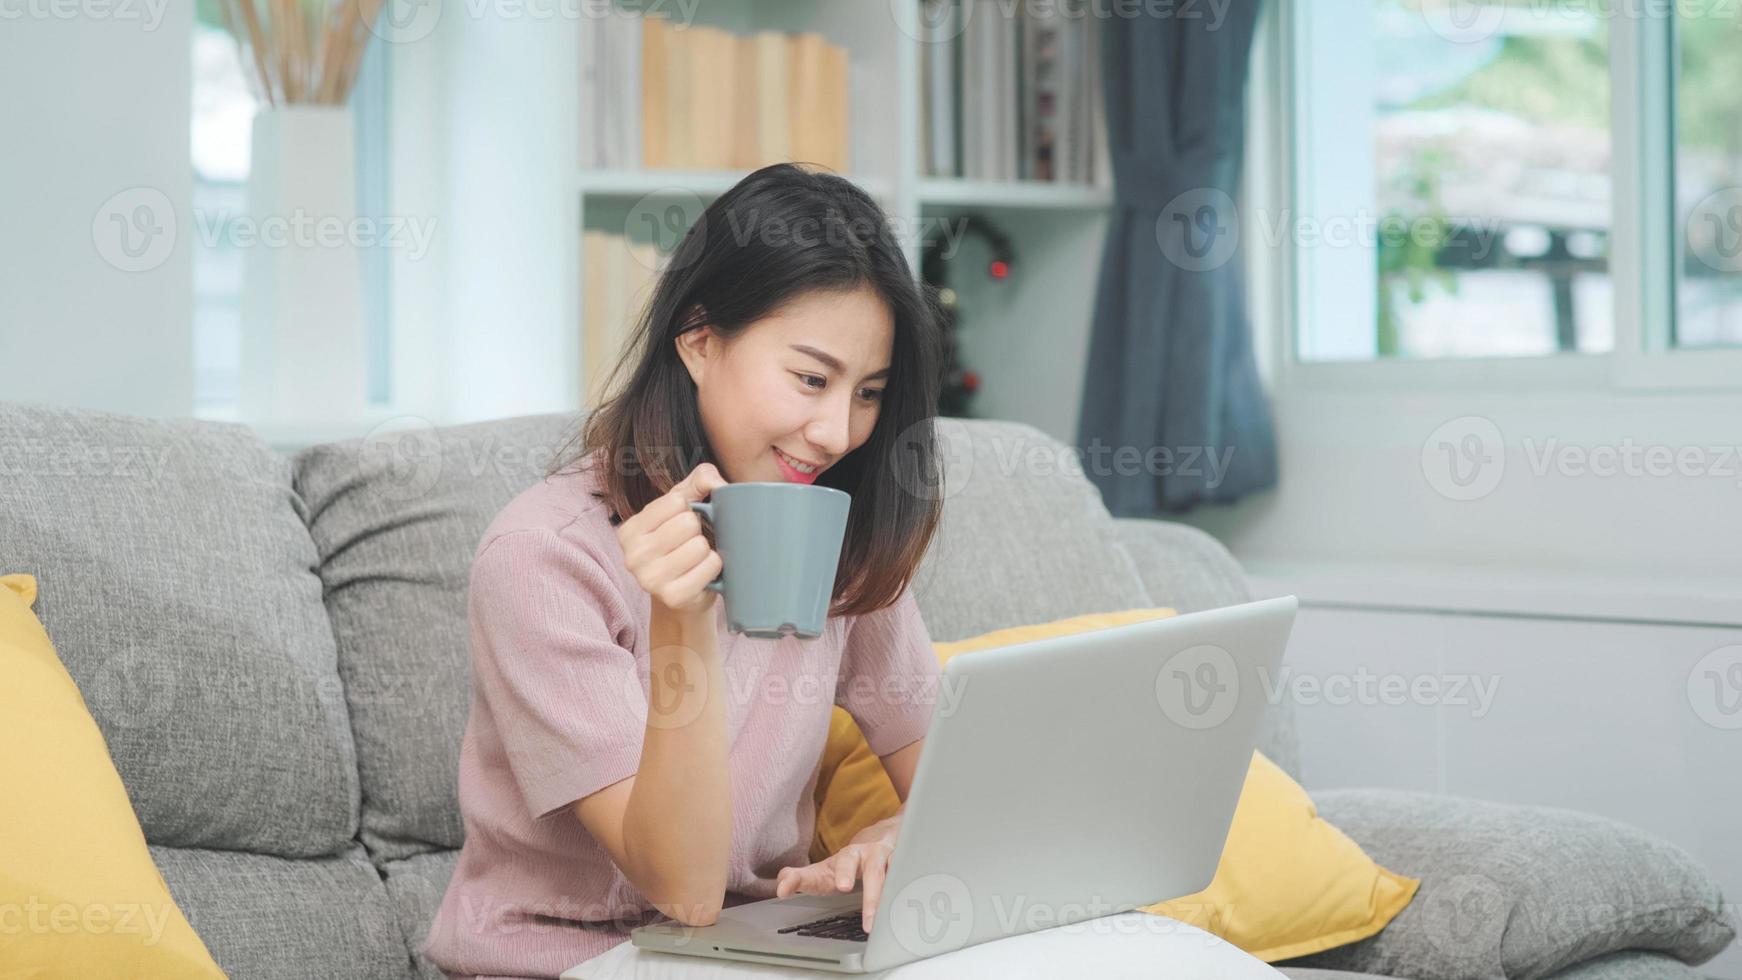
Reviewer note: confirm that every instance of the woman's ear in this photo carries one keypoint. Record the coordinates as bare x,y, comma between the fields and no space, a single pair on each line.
696,346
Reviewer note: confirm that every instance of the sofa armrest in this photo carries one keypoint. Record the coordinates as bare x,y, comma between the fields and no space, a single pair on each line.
1181,566
1520,892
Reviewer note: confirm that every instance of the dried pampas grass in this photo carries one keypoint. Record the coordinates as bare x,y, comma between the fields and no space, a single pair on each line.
301,51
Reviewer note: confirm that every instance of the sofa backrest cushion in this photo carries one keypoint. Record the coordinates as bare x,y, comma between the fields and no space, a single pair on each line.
177,581
1024,537
396,517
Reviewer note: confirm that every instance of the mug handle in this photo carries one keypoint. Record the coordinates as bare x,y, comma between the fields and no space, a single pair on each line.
707,511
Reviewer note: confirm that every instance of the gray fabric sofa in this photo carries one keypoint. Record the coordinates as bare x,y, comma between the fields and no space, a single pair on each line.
274,647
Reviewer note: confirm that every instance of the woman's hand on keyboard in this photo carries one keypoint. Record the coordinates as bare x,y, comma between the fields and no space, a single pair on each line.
865,857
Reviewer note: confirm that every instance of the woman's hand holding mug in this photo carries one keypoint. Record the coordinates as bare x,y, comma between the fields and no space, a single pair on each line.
665,549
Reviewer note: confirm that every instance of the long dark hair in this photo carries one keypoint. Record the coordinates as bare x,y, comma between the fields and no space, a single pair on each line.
780,233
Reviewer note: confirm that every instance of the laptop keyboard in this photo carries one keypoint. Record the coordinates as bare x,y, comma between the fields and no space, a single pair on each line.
845,926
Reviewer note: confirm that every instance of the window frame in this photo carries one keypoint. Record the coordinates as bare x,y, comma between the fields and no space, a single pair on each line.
1643,73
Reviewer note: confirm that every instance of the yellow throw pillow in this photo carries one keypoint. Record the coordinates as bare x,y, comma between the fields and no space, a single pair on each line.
79,894
1288,883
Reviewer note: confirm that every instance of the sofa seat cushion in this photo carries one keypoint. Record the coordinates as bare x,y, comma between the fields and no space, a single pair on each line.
269,918
177,581
1514,892
416,885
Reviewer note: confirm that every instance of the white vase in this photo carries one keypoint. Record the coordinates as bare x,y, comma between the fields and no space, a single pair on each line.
303,348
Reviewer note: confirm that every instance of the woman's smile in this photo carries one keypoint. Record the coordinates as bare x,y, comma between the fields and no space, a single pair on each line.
790,467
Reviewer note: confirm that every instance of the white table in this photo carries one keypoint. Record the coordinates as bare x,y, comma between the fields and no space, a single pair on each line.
1130,945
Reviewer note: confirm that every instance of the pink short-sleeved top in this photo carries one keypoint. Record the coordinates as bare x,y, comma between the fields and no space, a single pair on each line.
559,650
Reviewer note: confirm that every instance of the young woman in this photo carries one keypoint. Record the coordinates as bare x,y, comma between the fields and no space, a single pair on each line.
626,757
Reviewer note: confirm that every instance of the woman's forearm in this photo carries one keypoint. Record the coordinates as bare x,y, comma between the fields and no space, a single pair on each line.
677,827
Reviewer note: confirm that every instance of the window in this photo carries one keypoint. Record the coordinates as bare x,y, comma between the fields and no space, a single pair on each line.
1466,174
1708,174
221,133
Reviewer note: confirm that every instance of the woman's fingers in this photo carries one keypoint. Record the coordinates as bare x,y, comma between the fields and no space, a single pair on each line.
832,876
847,867
873,868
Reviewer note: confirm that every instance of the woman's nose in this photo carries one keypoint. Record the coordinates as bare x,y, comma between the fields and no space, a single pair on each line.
828,433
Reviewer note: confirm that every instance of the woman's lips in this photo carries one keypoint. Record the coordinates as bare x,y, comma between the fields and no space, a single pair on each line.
793,475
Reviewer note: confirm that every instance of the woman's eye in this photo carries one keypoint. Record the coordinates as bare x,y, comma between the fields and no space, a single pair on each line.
869,394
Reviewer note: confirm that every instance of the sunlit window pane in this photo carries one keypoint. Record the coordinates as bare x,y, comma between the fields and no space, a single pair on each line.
1490,143
1709,174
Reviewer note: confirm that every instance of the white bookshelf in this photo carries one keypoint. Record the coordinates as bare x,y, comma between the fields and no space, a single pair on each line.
1026,337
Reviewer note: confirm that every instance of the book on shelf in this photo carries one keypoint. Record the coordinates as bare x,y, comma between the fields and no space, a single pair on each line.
661,95
617,277
1012,96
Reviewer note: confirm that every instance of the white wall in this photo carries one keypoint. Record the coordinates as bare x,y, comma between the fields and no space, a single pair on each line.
485,125
96,105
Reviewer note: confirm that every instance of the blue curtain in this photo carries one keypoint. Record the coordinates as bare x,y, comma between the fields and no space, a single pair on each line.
1173,413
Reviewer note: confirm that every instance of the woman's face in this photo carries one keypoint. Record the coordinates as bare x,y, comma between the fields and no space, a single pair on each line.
763,395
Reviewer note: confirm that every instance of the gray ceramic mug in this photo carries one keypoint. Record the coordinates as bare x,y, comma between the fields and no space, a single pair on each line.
779,545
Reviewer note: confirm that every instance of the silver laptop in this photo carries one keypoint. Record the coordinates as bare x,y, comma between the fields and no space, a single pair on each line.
1062,779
